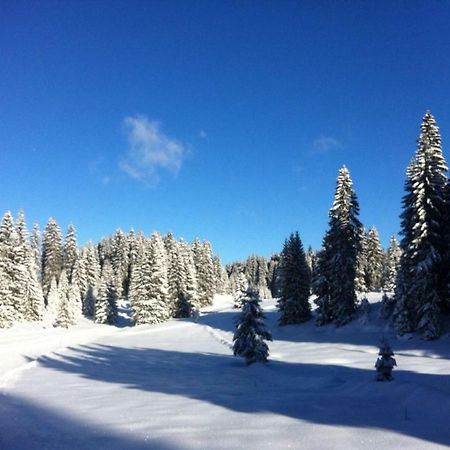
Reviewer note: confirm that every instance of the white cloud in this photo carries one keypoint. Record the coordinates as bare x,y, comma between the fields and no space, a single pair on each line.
324,144
202,134
150,151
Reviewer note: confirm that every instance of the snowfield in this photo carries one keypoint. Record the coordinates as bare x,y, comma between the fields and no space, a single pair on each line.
177,386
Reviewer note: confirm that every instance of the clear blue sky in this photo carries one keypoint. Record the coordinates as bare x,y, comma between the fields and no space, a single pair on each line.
226,120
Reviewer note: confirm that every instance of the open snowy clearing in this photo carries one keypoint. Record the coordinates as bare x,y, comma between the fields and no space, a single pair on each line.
177,386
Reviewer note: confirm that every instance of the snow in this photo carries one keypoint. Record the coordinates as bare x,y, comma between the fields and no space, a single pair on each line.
176,385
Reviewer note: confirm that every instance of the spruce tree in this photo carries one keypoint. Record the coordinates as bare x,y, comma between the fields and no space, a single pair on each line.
106,303
205,272
391,264
52,256
374,261
251,332
150,300
70,252
241,288
92,267
420,291
335,283
296,282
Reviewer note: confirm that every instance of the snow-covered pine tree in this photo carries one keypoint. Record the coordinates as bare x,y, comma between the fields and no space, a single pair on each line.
92,267
402,312
8,314
120,262
14,270
293,304
188,302
361,265
106,304
175,272
391,264
241,288
53,301
251,332
36,246
335,285
70,252
220,276
423,297
52,256
79,277
150,300
65,315
205,272
374,261
29,296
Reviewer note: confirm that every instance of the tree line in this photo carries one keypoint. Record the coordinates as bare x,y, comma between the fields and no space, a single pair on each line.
51,279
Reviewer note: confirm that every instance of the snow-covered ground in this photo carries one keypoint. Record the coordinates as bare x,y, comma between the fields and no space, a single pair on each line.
177,386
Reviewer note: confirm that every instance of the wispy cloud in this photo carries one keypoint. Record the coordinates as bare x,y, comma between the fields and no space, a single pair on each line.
202,134
150,151
325,144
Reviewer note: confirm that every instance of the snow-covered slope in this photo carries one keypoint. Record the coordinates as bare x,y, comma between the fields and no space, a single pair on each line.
177,386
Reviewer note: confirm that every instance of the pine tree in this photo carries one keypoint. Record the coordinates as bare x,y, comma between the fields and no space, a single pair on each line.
220,276
374,261
150,300
251,332
52,256
14,271
70,252
53,302
65,315
36,246
188,302
106,304
420,290
120,262
361,265
391,265
205,272
241,288
92,267
335,284
294,301
385,363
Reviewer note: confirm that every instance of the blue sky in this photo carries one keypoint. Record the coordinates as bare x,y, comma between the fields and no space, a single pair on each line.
219,119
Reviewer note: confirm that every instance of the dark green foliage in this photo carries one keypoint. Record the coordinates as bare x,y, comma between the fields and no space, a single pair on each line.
296,280
334,282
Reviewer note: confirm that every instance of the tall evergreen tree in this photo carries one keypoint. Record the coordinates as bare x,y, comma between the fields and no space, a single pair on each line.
335,285
52,256
391,264
293,303
70,252
374,261
205,272
106,302
150,300
420,291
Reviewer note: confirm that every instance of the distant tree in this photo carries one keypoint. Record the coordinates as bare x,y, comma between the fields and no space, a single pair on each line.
251,332
150,299
374,261
70,252
93,270
106,302
52,256
294,301
205,272
391,265
335,285
241,288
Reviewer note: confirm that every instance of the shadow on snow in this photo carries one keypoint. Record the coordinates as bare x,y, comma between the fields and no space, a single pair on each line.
416,405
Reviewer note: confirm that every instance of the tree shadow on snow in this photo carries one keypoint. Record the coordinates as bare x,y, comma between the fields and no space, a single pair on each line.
415,404
357,332
26,425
